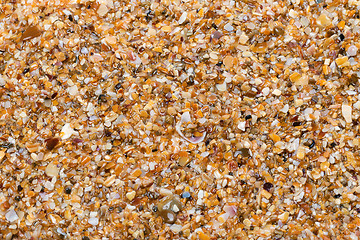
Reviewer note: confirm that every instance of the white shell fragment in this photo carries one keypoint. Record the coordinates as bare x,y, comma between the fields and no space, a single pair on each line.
347,113
185,117
66,131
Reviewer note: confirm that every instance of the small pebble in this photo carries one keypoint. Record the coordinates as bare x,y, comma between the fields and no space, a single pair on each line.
51,170
51,143
347,113
228,27
102,10
130,195
342,37
268,186
182,18
185,195
93,221
11,216
66,131
352,51
67,189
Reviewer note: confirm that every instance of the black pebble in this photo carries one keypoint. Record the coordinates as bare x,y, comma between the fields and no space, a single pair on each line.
67,189
267,186
296,124
247,117
342,37
337,196
26,70
155,208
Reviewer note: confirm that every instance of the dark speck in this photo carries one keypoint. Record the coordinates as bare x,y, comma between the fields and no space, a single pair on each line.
312,143
155,208
67,189
26,70
337,196
85,238
342,51
118,86
333,144
342,37
296,124
19,188
268,186
17,198
102,98
219,64
247,117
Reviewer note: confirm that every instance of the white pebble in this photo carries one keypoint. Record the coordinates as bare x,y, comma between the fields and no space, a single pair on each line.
11,216
357,105
241,126
2,81
228,27
221,87
102,10
346,112
293,13
182,18
175,228
51,170
73,90
277,92
285,109
352,50
266,91
66,131
93,221
84,50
